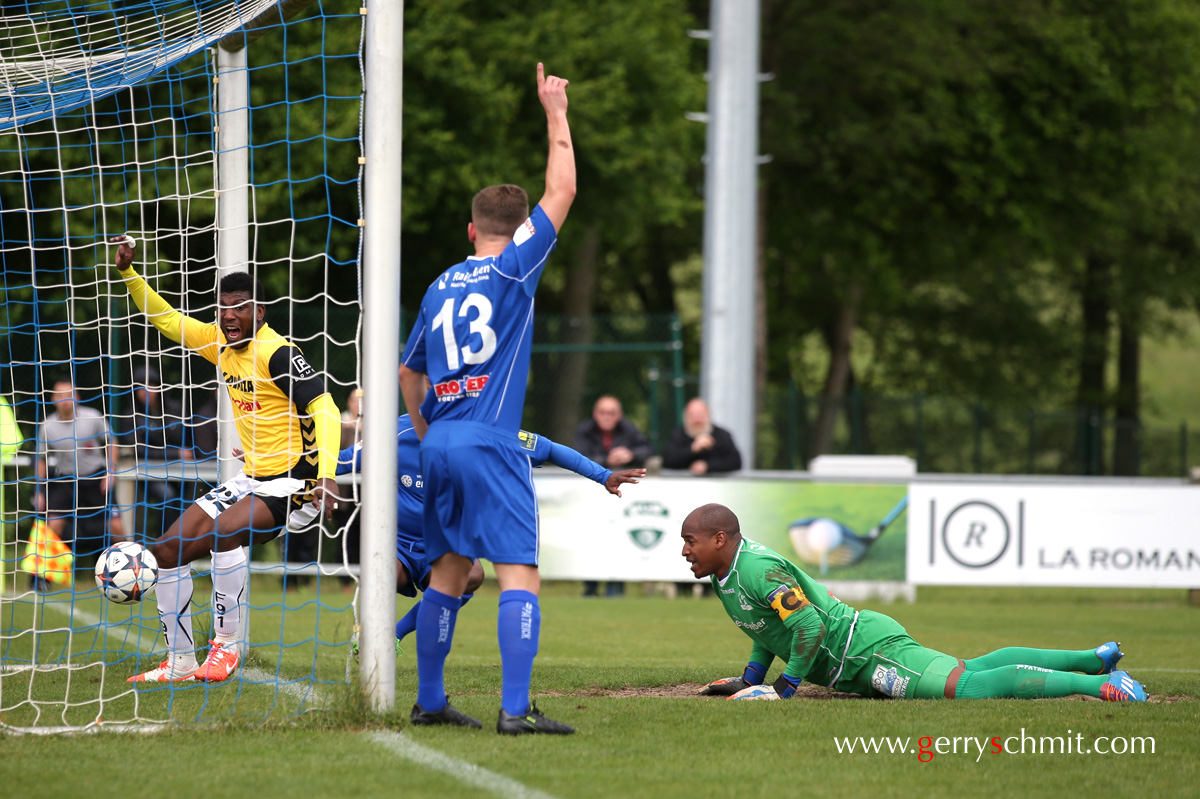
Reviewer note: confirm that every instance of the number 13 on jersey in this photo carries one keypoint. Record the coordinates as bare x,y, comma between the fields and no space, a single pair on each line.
476,310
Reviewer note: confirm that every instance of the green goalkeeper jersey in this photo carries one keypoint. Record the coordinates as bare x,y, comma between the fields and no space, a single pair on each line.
786,613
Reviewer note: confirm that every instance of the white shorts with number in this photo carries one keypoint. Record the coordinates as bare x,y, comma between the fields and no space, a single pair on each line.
300,515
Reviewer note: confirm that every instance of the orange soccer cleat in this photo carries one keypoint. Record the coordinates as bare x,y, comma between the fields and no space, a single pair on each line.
222,661
167,671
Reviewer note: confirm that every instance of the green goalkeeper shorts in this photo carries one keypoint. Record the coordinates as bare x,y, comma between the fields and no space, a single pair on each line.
883,660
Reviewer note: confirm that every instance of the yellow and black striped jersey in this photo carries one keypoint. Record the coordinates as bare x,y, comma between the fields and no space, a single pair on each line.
270,385
287,422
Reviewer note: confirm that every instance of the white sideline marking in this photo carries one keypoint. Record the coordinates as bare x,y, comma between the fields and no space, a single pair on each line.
461,770
298,691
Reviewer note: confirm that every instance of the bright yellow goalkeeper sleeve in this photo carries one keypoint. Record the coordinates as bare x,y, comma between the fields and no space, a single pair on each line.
327,425
168,320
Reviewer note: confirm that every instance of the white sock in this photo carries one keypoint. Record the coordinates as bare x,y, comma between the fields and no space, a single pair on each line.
229,589
174,595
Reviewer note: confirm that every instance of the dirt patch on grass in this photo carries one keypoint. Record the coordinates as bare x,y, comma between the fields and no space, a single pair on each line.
687,690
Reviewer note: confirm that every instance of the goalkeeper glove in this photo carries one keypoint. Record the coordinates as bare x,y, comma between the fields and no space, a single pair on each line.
756,692
728,686
786,686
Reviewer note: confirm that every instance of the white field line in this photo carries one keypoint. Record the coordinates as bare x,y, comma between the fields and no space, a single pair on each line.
461,770
298,691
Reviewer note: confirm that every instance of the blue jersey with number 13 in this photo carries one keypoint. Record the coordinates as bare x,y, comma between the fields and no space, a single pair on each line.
475,328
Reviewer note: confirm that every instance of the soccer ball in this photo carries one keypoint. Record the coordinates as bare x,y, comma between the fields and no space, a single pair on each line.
126,572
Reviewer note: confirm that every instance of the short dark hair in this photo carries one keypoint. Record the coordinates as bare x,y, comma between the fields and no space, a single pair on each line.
713,518
500,210
242,283
62,377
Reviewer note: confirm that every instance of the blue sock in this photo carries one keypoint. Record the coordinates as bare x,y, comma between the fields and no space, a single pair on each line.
517,628
435,630
407,625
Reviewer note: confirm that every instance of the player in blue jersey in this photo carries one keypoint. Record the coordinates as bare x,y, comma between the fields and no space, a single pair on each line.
412,569
472,338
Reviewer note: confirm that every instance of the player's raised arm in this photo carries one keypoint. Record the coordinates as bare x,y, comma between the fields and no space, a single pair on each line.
160,312
560,163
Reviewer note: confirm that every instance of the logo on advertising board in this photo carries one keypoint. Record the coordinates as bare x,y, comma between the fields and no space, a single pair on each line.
976,534
1129,536
649,518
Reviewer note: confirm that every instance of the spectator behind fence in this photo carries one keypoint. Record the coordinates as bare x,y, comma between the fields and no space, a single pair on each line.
156,434
611,440
76,461
700,446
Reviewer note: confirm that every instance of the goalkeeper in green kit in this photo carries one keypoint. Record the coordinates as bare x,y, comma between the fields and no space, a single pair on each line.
790,616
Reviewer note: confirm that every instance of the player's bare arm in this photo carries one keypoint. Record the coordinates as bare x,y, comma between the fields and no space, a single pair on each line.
619,478
560,163
412,388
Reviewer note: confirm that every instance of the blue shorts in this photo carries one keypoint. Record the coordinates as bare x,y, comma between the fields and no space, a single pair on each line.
479,498
411,552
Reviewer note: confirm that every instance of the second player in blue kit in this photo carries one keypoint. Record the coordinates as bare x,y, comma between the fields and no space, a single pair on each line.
412,565
472,340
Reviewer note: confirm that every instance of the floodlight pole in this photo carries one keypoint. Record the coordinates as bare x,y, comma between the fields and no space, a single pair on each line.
383,52
727,354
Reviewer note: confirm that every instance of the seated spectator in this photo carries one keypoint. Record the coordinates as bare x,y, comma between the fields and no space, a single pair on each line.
611,440
700,446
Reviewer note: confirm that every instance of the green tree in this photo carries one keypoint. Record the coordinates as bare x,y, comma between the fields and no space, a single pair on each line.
471,118
964,183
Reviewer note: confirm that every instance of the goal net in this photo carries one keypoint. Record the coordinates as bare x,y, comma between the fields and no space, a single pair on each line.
222,136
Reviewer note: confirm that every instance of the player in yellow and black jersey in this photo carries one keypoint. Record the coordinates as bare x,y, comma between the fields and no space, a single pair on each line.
290,431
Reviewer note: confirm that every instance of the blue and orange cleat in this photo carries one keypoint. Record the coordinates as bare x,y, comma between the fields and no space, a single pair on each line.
1109,655
1122,688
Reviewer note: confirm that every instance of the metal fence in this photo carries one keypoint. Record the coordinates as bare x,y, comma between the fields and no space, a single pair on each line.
955,436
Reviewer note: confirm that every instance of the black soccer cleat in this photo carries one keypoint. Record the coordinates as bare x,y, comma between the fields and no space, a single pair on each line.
447,715
530,722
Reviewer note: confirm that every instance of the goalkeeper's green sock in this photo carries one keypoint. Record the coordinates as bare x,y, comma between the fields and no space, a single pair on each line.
1026,682
1084,660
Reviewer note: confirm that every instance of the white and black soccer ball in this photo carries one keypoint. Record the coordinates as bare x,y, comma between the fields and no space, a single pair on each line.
126,572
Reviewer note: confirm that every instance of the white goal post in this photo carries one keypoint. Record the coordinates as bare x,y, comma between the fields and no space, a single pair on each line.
115,101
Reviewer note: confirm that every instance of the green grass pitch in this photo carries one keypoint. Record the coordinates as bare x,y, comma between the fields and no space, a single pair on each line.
267,741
